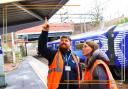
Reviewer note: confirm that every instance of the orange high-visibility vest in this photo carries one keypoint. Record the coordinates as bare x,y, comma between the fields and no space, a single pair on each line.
56,70
111,82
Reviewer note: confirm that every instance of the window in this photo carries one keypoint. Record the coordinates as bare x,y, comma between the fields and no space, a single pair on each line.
96,41
57,45
79,44
49,46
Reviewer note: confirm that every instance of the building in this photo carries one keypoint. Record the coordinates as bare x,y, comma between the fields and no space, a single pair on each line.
56,30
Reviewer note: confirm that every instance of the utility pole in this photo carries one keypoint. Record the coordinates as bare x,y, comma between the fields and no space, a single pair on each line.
2,73
13,49
26,41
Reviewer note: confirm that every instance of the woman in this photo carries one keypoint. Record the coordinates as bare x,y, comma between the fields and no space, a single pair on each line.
97,71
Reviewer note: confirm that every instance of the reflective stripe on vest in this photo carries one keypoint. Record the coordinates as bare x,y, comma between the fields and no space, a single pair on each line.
55,71
111,82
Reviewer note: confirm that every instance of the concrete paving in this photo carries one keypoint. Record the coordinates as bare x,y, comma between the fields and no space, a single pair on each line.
24,77
40,68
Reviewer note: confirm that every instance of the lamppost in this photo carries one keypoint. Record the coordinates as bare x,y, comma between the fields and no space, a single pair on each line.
26,41
13,50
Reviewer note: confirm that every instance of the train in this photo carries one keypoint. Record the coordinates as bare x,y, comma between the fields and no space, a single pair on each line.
113,41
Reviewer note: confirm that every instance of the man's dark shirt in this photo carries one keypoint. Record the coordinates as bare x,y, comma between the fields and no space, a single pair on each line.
49,55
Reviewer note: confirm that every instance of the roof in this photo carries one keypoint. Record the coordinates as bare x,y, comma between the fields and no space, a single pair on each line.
87,34
26,11
54,27
122,27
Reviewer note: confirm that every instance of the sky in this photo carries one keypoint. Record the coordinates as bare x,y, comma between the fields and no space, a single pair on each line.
110,9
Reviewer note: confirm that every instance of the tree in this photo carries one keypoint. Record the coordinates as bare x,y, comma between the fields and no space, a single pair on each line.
124,20
96,14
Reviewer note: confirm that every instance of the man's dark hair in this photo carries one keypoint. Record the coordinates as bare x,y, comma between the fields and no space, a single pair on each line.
66,37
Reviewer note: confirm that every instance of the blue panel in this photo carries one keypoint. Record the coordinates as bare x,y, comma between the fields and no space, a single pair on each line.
121,46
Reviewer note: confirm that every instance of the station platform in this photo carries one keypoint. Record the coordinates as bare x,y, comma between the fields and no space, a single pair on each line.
31,74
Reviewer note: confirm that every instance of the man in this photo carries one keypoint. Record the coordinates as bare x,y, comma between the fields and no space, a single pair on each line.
64,71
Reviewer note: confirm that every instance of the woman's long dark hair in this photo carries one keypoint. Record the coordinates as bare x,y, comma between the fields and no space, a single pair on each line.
93,45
